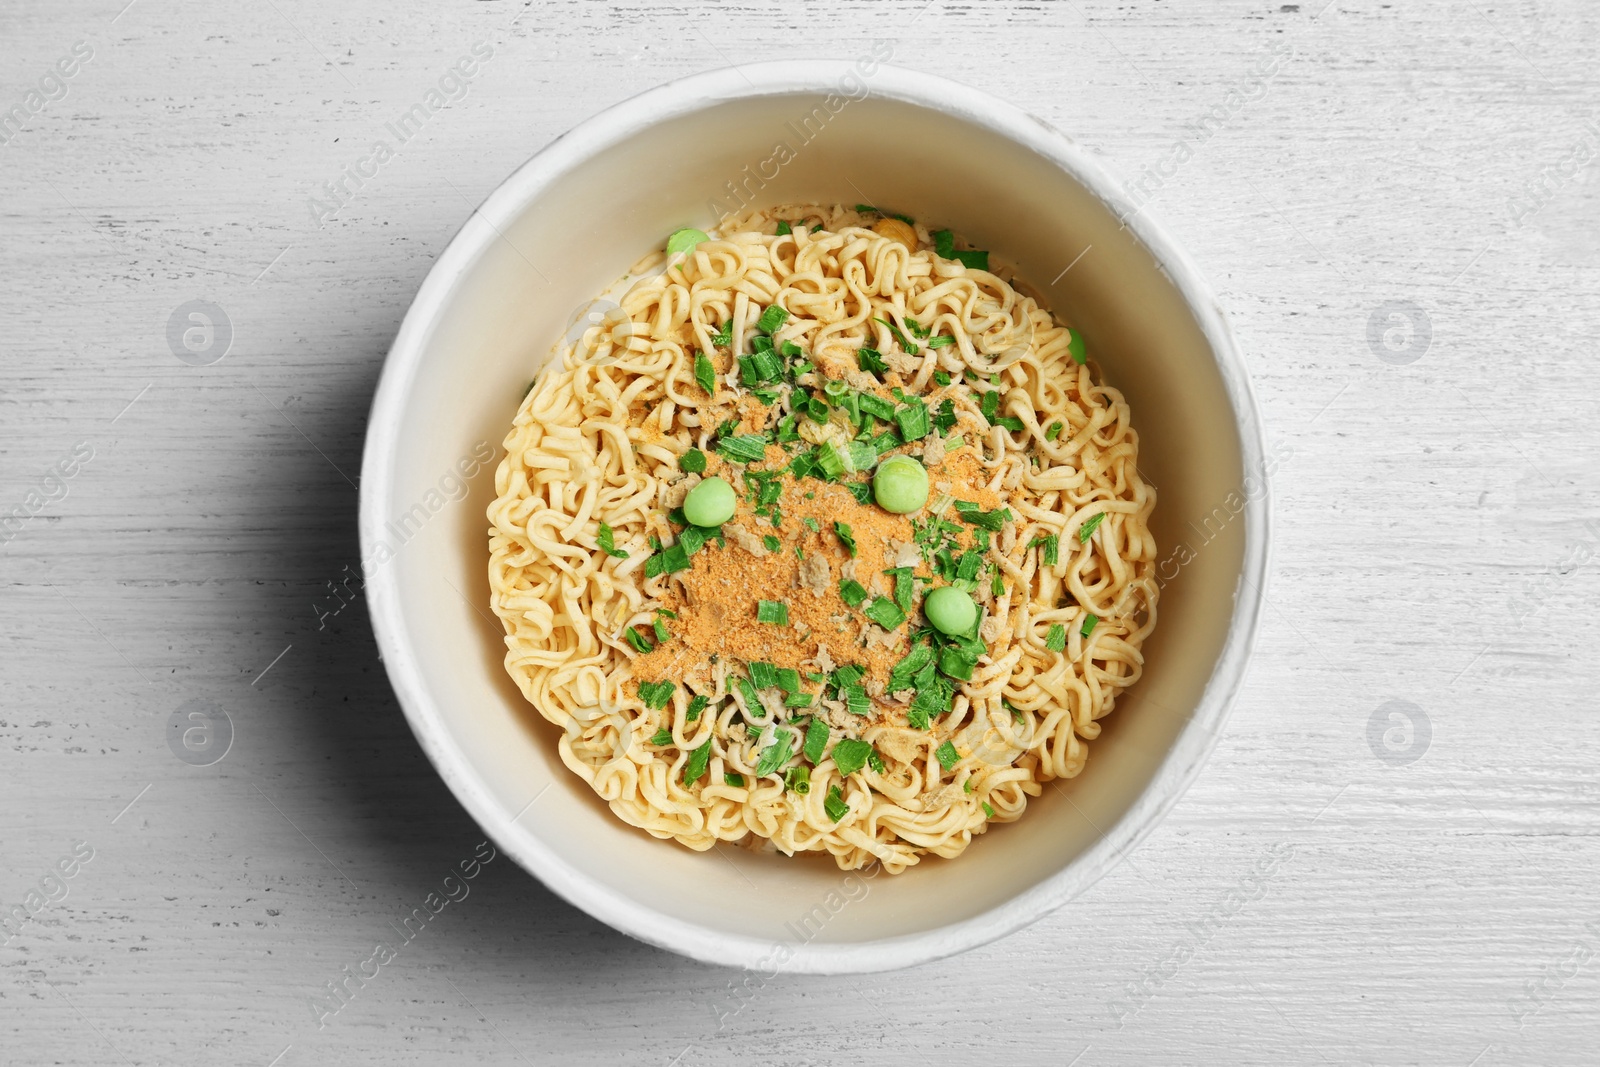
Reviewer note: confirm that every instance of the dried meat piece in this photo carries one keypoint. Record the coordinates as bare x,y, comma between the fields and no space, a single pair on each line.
745,539
815,574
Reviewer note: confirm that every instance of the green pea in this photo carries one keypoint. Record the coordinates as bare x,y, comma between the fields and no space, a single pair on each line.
950,610
900,485
710,503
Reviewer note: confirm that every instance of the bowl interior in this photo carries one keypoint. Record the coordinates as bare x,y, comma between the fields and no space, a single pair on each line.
564,229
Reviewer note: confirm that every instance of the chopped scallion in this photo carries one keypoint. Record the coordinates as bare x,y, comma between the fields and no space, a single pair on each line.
957,663
674,558
775,755
656,694
699,760
705,375
843,530
903,587
745,448
608,544
816,739
989,404
885,613
912,420
877,406
850,755
988,520
830,461
904,672
693,538
848,675
835,805
759,368
905,342
771,319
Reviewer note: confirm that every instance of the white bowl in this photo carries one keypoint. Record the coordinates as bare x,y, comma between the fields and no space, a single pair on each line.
571,221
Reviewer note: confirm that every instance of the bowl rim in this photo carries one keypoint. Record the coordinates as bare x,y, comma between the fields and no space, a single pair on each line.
616,123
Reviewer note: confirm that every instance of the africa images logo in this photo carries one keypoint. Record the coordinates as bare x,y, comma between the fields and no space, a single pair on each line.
451,87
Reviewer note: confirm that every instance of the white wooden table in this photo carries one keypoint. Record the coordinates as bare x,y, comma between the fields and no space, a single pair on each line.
1400,216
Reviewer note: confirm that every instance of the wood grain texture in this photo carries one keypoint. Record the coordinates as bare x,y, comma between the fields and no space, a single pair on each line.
1434,545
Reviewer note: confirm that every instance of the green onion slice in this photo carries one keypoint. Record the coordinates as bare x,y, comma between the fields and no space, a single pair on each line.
775,755
1055,639
685,240
699,760
835,805
850,755
608,544
745,448
845,536
1087,529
